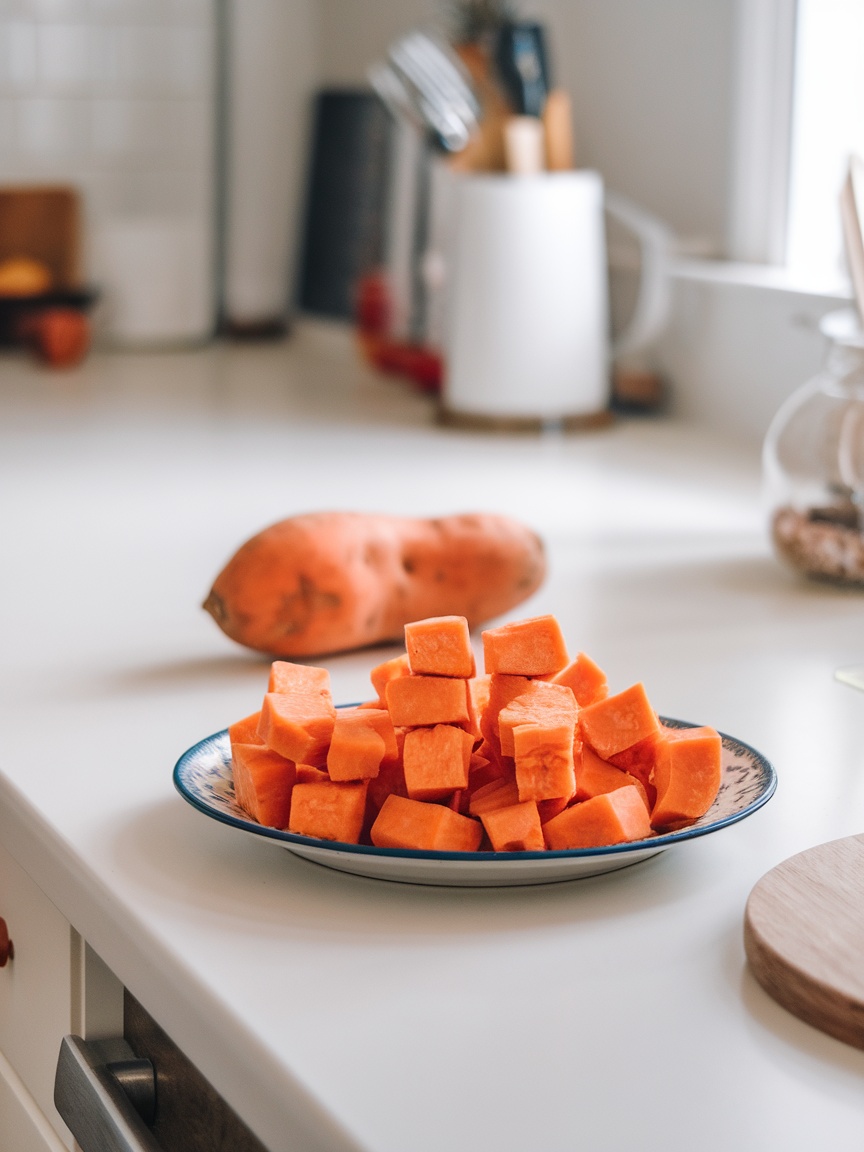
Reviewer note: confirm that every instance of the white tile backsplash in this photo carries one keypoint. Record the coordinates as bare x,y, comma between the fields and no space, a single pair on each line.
118,98
168,60
132,11
57,127
7,125
141,131
60,10
69,57
153,191
19,59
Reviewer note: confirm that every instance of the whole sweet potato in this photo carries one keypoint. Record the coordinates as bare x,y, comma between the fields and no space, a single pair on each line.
330,581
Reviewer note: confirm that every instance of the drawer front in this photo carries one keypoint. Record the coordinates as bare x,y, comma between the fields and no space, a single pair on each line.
23,1128
190,1115
35,986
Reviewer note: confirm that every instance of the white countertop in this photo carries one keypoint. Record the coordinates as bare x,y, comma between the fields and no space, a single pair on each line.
340,1013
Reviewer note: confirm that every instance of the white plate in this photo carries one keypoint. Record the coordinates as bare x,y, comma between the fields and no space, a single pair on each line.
203,777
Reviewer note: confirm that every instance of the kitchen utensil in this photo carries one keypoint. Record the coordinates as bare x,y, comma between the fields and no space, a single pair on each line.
203,778
432,81
527,328
852,216
523,66
395,95
485,150
558,131
813,462
524,145
804,937
426,87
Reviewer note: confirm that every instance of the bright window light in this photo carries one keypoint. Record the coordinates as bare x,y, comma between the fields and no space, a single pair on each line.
827,125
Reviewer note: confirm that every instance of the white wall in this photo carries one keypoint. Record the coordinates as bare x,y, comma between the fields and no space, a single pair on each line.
734,351
272,72
652,82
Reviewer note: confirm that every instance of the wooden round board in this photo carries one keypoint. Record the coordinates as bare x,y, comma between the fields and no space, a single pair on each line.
804,936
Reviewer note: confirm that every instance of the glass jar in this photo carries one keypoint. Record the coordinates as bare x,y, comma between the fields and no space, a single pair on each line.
814,463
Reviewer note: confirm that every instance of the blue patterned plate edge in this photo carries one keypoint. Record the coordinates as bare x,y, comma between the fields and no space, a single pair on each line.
204,779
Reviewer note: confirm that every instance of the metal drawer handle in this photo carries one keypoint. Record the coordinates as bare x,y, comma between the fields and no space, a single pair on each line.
7,948
106,1095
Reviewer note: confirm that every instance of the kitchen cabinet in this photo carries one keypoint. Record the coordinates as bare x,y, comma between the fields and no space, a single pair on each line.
335,1013
24,1126
36,1003
53,985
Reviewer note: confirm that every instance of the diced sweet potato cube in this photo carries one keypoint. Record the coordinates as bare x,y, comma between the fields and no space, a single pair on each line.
245,731
309,774
540,703
382,674
435,761
329,811
533,647
458,801
687,775
514,829
495,794
288,678
482,771
405,823
639,759
478,701
594,777
502,690
298,726
549,809
544,761
613,818
390,779
613,724
379,719
383,725
356,747
420,701
400,734
263,782
440,646
477,762
586,680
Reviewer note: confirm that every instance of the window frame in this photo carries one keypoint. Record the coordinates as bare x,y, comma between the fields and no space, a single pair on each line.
762,130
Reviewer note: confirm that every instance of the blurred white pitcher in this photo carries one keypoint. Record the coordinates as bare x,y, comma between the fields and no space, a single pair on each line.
527,296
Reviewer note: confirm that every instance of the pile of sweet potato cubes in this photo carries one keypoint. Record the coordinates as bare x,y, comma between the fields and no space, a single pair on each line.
533,755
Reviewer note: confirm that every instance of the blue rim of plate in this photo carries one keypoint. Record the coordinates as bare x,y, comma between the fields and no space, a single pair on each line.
730,743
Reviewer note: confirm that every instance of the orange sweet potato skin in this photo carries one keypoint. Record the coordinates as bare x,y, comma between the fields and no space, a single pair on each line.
333,581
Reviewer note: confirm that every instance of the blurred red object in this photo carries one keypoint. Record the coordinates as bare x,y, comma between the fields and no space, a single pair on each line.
61,336
423,367
374,311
